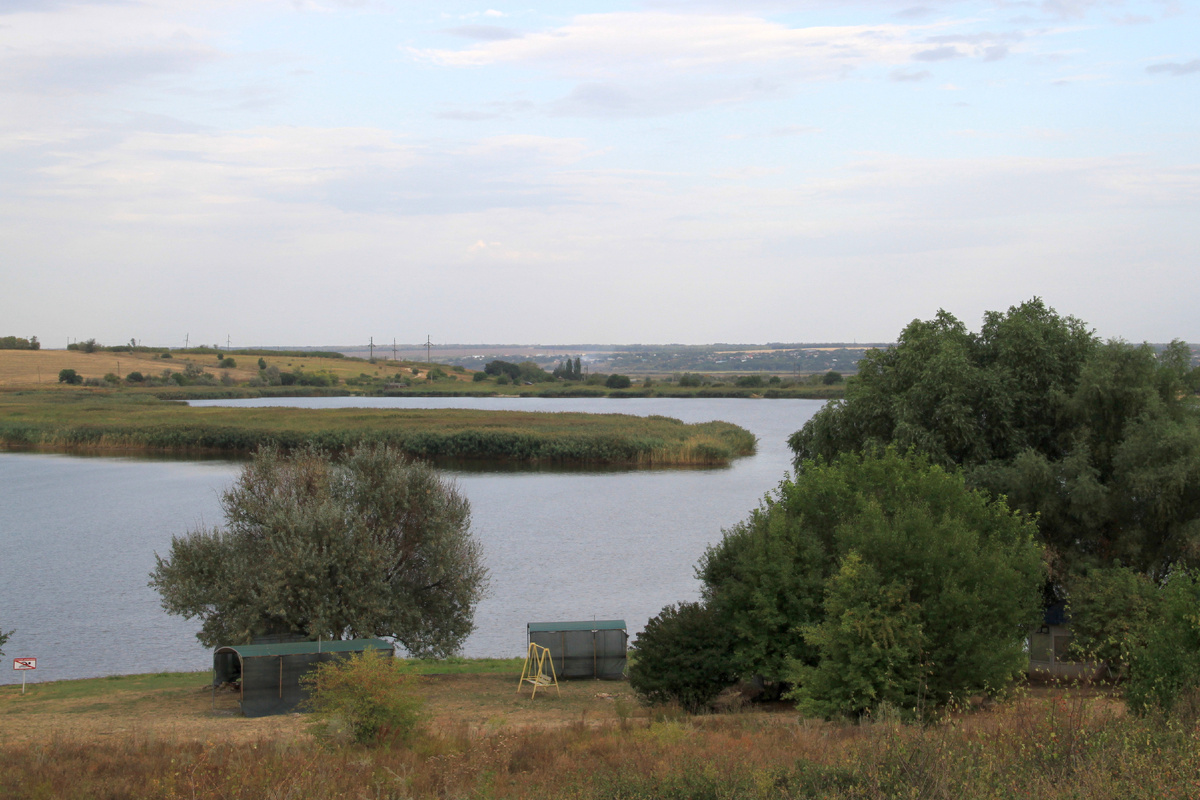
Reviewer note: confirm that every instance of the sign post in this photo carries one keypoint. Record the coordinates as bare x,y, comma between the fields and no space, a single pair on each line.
24,664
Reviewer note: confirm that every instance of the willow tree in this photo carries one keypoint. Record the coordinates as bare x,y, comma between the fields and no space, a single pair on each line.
363,545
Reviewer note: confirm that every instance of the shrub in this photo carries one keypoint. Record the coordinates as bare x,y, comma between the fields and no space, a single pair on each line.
166,355
227,363
479,377
616,381
683,656
262,363
135,377
749,381
1111,610
690,379
4,638
1164,675
831,377
70,377
366,699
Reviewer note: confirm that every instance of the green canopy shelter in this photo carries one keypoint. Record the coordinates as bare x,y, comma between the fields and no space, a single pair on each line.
589,649
269,674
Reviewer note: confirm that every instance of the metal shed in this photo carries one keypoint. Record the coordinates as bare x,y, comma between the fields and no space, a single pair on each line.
269,674
589,649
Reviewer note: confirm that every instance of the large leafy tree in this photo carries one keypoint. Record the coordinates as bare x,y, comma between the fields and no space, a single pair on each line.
368,544
877,577
1100,440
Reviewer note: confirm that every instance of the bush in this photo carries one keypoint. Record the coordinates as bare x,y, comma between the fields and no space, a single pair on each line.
1111,610
365,699
831,377
616,381
479,377
4,638
749,381
135,377
877,578
70,377
1164,675
683,656
227,363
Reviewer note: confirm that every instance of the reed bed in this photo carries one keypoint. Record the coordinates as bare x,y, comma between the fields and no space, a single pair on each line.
122,423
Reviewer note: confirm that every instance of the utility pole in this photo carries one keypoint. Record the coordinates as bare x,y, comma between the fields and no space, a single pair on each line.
372,346
227,341
428,345
394,349
186,338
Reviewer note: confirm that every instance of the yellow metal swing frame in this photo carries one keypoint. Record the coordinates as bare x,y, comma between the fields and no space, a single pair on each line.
537,658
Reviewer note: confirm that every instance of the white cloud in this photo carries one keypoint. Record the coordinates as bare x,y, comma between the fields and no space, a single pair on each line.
602,46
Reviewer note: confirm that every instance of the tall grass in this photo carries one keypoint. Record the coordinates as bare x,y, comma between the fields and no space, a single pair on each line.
59,421
1055,747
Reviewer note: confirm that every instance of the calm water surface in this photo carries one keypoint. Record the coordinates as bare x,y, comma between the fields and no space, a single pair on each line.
78,537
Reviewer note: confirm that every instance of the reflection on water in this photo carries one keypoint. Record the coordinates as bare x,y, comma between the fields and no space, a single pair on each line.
78,536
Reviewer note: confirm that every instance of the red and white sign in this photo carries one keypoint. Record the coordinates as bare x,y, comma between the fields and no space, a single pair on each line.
24,663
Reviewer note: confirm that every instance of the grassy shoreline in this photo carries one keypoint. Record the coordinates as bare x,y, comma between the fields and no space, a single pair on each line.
123,423
157,736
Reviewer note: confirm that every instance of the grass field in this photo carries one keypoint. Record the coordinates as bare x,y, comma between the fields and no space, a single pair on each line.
120,422
159,737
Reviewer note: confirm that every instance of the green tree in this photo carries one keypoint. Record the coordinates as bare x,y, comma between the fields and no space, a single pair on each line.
1100,440
947,577
578,369
3,639
368,544
831,377
70,377
615,381
682,656
1164,673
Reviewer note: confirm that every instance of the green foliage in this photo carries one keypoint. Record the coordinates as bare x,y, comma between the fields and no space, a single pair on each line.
1111,611
262,363
1101,441
135,377
498,367
88,346
3,639
1164,674
615,381
227,363
70,377
690,379
956,584
750,381
367,545
479,377
17,343
831,377
682,656
869,646
367,699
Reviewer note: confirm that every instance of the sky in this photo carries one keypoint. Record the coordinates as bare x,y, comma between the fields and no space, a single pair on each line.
325,172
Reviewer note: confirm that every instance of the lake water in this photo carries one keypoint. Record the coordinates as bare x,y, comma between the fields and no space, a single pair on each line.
78,536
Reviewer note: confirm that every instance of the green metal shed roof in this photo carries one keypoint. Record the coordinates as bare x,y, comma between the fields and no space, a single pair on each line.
299,648
586,625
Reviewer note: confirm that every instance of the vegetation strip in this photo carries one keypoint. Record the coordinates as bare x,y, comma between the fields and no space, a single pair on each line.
101,422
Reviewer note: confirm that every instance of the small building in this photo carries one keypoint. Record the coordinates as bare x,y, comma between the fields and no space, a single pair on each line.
588,649
1049,650
268,674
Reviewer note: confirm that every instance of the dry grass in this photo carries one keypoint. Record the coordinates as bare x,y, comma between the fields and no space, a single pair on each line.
484,740
24,369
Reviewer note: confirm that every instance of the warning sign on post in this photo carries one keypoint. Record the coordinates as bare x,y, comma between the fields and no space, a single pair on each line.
24,663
